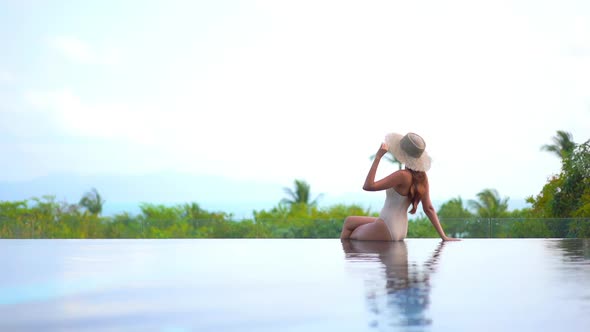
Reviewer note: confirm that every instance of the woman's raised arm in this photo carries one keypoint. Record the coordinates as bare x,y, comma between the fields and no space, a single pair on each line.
385,183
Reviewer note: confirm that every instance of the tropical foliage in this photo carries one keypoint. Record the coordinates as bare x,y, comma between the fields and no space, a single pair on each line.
46,218
454,209
563,144
490,204
567,194
301,194
92,202
454,213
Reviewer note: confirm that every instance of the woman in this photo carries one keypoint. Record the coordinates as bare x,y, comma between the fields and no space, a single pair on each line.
403,188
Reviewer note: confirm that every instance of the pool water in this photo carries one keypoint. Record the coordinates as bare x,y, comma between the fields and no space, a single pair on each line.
295,285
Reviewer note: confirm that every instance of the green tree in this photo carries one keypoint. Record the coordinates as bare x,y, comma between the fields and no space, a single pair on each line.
454,216
92,202
421,227
574,197
302,221
43,215
490,204
300,194
13,219
541,203
530,228
454,209
563,144
567,194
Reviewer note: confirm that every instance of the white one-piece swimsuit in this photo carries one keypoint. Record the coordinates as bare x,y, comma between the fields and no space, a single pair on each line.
395,214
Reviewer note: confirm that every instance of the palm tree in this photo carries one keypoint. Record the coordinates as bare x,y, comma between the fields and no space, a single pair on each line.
563,144
389,157
301,194
454,209
454,216
92,202
489,204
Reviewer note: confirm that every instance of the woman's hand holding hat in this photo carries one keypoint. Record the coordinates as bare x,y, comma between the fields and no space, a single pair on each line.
383,149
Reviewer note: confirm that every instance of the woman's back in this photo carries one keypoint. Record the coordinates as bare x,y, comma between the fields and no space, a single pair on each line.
395,214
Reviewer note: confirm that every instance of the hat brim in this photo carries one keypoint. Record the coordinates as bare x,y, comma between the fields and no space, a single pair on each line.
421,163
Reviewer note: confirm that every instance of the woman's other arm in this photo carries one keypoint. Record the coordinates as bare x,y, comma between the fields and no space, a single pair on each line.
430,212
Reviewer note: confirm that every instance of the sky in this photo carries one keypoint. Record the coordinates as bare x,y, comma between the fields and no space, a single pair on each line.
273,91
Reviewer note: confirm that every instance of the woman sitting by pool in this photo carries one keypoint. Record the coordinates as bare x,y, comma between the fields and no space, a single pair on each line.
403,188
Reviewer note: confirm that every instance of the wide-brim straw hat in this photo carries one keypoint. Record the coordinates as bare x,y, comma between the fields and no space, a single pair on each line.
410,150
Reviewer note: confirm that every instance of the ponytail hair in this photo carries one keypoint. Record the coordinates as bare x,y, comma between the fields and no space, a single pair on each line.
417,189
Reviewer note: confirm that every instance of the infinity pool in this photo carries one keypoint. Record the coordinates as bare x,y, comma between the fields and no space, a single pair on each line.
295,285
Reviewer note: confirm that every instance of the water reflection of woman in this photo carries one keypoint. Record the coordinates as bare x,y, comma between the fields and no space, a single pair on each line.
401,295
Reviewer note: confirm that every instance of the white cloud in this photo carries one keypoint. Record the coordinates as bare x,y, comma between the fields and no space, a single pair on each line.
83,52
103,120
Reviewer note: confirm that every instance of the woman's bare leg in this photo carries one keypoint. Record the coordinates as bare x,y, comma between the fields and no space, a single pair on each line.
351,223
373,231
